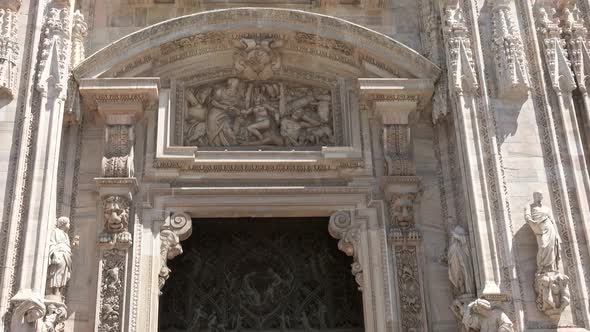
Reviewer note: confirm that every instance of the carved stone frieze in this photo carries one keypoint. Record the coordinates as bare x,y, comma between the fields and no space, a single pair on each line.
119,156
9,48
257,59
116,223
511,67
481,315
341,227
238,112
111,296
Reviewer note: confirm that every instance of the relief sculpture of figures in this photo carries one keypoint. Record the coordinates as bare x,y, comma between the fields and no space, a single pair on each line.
551,286
257,113
60,257
460,264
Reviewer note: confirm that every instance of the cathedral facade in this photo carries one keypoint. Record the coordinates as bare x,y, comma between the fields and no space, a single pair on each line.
305,165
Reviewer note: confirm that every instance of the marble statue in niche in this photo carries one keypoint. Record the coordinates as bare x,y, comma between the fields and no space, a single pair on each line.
551,286
460,264
257,113
60,257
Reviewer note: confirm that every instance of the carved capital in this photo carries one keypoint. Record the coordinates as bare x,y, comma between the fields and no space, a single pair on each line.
341,227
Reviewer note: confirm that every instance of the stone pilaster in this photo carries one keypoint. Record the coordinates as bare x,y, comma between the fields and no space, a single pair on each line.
120,104
395,101
9,47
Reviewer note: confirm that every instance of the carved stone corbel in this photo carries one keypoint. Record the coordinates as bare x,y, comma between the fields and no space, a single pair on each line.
176,228
342,227
116,223
9,47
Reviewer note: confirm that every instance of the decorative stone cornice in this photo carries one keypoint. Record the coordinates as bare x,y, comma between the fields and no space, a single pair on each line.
343,228
511,68
119,96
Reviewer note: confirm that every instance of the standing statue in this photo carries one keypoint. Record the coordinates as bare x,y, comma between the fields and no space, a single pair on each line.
551,286
460,265
60,256
541,222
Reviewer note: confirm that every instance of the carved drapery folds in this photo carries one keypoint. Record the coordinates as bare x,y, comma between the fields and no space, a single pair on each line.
459,258
511,68
60,259
261,112
342,227
551,286
9,48
176,228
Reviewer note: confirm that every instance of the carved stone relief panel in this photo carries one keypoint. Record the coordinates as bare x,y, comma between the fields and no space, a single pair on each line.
237,112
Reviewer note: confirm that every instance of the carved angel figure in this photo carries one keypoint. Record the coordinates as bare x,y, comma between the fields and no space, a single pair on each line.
540,220
60,256
460,264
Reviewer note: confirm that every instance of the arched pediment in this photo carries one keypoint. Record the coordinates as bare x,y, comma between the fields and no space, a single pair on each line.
207,41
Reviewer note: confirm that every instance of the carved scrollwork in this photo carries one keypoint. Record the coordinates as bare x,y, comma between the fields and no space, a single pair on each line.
55,317
341,227
176,228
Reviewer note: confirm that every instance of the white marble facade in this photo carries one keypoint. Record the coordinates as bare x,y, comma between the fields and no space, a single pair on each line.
447,142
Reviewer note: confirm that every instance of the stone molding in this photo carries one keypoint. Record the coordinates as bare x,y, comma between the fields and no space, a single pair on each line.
406,62
9,47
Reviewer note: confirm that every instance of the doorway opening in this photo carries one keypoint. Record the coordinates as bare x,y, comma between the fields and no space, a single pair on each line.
260,274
